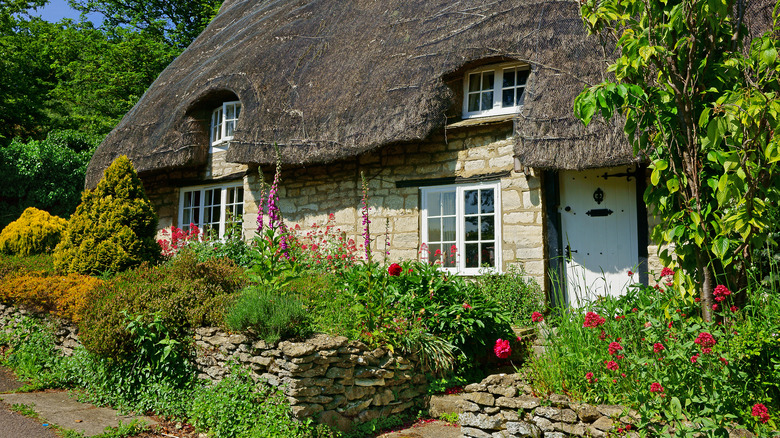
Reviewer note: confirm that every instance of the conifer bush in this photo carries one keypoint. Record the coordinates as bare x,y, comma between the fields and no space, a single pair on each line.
113,228
35,232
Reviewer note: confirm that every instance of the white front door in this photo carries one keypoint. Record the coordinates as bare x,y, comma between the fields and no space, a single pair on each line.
599,232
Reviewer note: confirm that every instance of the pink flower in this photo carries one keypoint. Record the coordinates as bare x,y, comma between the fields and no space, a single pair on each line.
467,306
611,365
695,358
630,273
705,340
723,359
502,349
394,269
706,350
537,317
656,387
714,307
590,378
734,309
658,347
614,347
593,319
760,411
665,272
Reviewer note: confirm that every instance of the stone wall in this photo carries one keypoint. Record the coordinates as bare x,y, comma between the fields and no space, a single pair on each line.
330,379
503,406
327,378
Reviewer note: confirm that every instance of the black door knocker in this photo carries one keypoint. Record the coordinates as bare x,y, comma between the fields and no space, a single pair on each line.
598,195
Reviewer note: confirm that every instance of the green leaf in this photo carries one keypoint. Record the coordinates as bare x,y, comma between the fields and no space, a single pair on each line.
673,185
655,177
720,246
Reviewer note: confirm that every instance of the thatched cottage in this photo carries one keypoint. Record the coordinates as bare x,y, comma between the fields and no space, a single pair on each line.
459,113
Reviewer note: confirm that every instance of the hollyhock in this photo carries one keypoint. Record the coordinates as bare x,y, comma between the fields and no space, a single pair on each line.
502,349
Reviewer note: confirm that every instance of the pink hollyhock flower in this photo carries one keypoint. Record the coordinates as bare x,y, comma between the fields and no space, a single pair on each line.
656,387
394,269
760,411
658,347
502,349
537,317
614,347
666,272
593,319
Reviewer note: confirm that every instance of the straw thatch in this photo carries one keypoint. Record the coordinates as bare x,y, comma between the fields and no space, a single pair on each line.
328,79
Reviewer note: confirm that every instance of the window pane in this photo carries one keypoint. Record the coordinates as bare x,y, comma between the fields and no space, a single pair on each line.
433,250
187,199
230,111
488,228
474,82
520,96
488,80
522,76
471,201
449,256
509,77
434,230
487,204
448,203
229,128
434,204
186,219
240,191
488,254
474,102
238,110
487,100
471,231
508,98
448,226
472,255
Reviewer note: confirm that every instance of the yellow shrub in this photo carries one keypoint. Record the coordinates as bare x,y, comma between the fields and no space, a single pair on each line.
35,232
63,295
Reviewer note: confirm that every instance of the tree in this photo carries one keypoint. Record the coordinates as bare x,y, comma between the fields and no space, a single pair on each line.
704,111
113,228
47,174
177,22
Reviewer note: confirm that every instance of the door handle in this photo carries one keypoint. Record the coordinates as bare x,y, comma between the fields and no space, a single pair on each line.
569,251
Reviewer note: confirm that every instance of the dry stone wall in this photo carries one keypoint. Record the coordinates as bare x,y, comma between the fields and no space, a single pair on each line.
65,332
503,406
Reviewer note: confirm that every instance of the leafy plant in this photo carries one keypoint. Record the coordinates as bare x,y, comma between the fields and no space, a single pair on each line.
113,228
31,354
35,232
516,294
62,295
268,314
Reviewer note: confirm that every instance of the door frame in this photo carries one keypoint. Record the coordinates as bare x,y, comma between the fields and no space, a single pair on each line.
555,278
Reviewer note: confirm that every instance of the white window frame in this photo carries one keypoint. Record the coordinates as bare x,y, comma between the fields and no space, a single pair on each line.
219,133
221,224
497,109
459,189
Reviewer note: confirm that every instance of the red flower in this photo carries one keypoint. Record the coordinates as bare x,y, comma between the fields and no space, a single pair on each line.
603,335
537,317
665,272
734,309
714,307
614,347
502,349
705,340
611,365
760,411
656,387
589,377
658,347
467,306
695,358
630,274
723,359
394,269
593,319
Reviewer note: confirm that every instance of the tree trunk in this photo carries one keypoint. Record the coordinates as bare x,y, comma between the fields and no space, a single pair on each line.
705,292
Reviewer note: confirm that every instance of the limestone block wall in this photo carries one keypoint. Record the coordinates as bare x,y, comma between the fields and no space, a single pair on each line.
503,406
337,381
308,195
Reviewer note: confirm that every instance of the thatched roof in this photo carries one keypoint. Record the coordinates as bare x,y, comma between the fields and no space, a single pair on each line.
332,79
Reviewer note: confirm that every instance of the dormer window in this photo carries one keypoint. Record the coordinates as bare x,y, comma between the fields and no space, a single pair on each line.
494,90
223,124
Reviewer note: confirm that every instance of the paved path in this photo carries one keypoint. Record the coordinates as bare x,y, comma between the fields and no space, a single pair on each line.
53,407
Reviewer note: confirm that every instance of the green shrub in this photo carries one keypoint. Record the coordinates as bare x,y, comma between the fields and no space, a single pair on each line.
41,264
31,354
35,232
516,294
255,410
113,228
269,315
184,292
